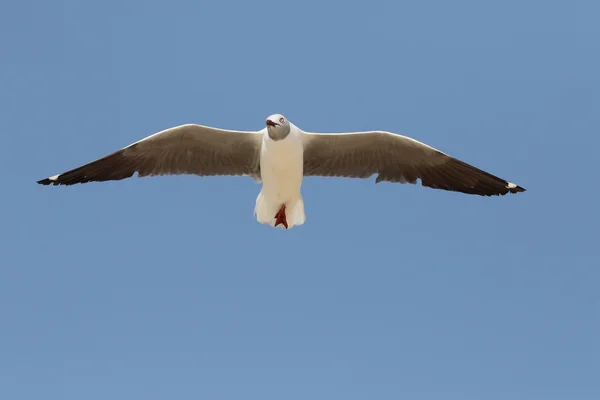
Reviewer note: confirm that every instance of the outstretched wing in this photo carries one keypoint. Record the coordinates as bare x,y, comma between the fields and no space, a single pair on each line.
185,149
396,158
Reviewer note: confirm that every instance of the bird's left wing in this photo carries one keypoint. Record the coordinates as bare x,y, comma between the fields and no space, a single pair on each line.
396,158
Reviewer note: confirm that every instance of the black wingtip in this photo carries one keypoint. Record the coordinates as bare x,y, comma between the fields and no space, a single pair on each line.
49,181
512,188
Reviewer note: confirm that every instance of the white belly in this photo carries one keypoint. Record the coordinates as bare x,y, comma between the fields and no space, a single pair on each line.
281,168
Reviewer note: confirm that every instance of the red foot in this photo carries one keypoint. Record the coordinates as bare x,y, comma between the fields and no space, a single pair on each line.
280,217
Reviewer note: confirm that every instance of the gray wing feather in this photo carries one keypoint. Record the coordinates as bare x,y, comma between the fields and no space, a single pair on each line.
396,158
185,149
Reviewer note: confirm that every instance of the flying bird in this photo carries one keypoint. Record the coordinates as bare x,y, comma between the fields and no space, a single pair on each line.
280,155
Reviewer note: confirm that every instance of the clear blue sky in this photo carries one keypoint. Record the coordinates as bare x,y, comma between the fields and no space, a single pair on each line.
168,288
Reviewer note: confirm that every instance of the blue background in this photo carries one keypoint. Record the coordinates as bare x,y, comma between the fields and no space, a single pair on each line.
167,287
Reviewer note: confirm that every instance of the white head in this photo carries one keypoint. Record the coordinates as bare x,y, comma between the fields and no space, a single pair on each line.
278,126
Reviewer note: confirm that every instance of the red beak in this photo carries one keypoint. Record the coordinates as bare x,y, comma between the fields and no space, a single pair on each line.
271,123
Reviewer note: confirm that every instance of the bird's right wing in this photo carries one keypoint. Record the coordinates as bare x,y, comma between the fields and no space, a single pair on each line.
185,149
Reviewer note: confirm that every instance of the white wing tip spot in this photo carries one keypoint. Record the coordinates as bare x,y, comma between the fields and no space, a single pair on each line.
511,185
53,178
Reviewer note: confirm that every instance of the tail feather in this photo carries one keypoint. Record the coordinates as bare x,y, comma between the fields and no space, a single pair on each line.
266,209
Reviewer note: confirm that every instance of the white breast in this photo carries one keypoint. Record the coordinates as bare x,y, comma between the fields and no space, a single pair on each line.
281,166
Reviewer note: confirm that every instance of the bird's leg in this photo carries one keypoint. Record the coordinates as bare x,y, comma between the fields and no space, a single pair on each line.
280,217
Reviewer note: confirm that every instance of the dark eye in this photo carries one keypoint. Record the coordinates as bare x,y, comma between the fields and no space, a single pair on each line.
281,120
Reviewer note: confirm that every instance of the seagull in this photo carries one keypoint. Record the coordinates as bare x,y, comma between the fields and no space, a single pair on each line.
279,156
